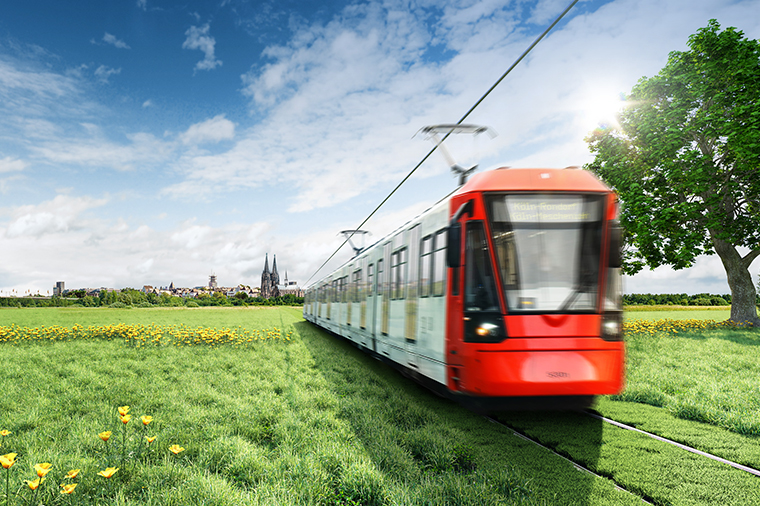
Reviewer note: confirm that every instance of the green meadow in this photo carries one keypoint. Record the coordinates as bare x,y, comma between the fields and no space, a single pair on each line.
311,420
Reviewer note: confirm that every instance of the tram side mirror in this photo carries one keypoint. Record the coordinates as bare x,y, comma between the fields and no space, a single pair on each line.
616,245
454,245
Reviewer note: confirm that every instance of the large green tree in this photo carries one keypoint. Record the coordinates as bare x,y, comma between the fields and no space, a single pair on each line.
685,161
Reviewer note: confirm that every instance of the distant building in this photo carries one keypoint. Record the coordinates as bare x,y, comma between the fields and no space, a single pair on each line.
212,282
59,288
270,280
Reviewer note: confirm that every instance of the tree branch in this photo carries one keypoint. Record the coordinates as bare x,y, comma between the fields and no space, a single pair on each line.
750,257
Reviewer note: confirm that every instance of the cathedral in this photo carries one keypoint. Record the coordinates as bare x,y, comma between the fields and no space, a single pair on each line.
270,280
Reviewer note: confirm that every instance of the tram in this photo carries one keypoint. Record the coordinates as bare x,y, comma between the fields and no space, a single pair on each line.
505,294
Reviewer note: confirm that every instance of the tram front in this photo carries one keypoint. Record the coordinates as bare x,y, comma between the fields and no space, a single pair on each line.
539,311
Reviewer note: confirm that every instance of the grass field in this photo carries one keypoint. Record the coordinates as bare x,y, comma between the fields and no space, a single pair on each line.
313,421
676,313
308,421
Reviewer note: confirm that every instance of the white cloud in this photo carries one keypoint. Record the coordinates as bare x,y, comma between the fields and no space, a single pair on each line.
103,73
111,39
142,151
198,38
58,215
9,164
142,4
215,129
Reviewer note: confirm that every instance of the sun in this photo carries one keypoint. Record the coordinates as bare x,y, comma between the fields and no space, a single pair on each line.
600,109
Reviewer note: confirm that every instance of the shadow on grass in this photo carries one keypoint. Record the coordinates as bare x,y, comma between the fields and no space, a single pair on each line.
744,337
436,452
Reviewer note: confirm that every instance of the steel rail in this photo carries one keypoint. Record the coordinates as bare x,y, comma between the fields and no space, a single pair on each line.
578,466
677,444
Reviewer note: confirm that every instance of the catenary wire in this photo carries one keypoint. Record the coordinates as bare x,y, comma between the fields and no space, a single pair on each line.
480,100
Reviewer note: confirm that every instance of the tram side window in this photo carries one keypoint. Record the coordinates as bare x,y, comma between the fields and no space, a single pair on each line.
439,263
380,277
370,279
480,287
356,288
398,273
426,264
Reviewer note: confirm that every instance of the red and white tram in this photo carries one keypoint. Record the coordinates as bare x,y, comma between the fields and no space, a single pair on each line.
506,293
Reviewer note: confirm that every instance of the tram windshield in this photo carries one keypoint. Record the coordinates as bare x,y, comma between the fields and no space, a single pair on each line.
548,248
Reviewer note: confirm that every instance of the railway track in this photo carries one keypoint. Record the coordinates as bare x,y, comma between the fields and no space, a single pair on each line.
637,490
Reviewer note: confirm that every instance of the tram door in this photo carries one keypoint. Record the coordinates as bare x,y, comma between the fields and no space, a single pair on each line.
412,297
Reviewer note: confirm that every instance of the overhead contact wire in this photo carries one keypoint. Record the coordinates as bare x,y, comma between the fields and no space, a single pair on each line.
480,100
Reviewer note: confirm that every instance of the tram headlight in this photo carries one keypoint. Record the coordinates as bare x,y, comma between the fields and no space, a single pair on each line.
487,330
484,327
612,326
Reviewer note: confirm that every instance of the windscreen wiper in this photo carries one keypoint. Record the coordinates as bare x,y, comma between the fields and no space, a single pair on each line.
583,286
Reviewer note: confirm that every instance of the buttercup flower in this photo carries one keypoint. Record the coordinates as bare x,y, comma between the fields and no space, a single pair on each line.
68,489
108,472
5,433
105,435
125,419
176,449
34,484
123,410
8,460
72,474
145,419
150,439
42,469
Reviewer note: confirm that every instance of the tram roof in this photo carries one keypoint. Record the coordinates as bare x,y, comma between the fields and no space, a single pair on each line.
506,179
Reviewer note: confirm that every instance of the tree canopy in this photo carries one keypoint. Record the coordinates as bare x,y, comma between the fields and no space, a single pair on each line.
685,161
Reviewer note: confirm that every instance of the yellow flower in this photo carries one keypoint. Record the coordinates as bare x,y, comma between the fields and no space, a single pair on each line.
176,449
34,484
125,419
5,433
123,410
145,419
42,469
8,460
105,435
150,439
108,472
72,474
68,489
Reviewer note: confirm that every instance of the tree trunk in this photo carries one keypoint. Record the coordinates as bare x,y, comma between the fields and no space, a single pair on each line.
739,280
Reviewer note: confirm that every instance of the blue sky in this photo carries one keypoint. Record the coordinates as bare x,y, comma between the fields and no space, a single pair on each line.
150,142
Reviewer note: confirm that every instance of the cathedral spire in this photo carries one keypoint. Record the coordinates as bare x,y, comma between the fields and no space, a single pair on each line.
266,280
275,276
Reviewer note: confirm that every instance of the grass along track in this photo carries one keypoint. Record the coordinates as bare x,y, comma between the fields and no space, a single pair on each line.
653,470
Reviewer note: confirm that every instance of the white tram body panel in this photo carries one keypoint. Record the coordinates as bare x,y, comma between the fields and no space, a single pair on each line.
390,299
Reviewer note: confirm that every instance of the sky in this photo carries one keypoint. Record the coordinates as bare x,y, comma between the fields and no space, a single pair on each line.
149,142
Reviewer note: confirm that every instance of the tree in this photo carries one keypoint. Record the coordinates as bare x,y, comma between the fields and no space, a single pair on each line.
685,161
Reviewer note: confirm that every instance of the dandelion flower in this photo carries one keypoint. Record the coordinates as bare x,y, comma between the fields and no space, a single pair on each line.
145,419
176,449
8,460
34,484
68,489
5,433
42,469
108,472
72,474
123,410
150,439
125,419
105,435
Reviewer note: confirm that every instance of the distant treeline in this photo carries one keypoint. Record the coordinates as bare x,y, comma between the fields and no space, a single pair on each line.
129,297
677,299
